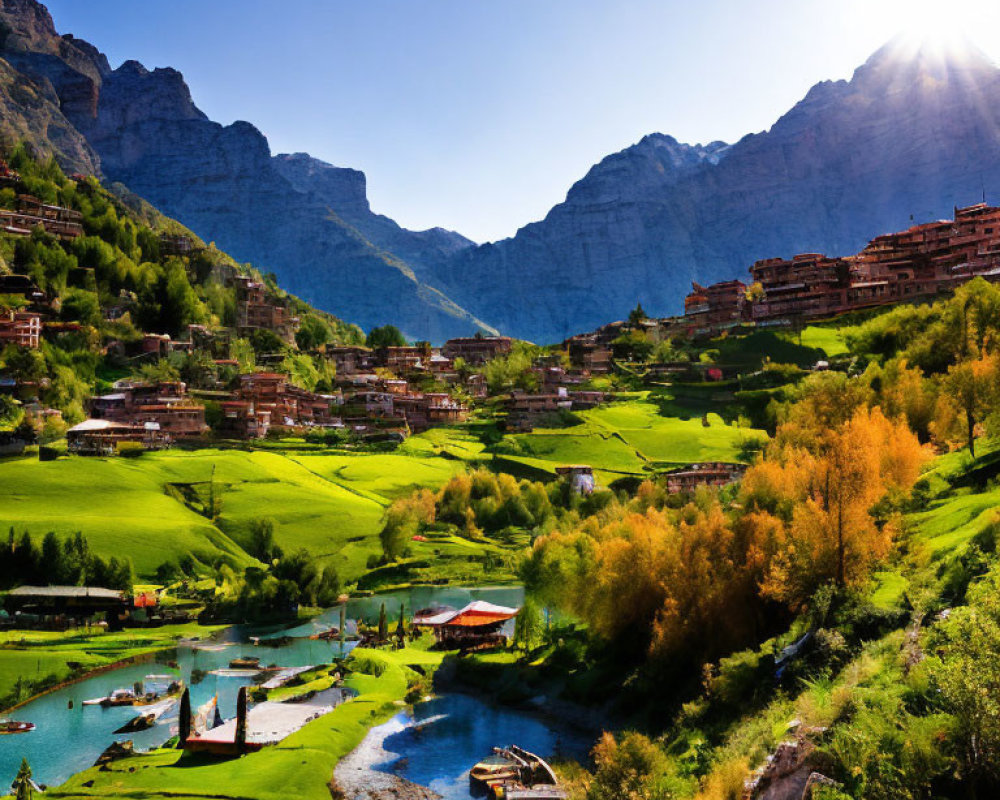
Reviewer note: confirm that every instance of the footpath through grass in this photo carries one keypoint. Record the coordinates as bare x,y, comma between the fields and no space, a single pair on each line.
299,767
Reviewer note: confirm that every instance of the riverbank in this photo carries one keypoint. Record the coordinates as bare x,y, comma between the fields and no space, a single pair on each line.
301,766
36,663
354,778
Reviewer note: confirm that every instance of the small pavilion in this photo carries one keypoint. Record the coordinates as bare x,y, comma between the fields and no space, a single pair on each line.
477,626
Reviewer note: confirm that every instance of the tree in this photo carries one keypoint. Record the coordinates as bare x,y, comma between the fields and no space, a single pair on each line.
828,494
328,586
262,544
184,718
971,387
401,627
528,625
383,625
385,336
240,738
637,315
967,673
313,332
630,769
23,787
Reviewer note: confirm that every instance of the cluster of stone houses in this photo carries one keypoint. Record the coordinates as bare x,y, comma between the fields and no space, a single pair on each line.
257,309
918,263
32,213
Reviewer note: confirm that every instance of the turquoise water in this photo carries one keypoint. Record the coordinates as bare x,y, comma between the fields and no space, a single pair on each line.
67,741
437,743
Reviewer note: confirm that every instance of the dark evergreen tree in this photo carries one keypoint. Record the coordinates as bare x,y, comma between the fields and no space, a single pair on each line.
23,788
184,718
383,625
241,720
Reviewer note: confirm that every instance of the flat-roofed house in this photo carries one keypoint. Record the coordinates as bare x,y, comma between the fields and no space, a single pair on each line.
22,328
477,349
709,473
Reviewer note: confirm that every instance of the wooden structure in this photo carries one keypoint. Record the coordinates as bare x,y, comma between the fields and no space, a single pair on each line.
77,602
476,626
22,328
709,473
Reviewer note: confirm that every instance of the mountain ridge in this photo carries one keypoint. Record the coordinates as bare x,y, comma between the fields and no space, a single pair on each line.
910,135
852,159
142,128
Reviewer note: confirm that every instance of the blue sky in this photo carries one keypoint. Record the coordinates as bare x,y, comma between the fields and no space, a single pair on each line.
478,115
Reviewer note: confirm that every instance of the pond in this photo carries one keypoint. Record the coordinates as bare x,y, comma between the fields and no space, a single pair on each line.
68,740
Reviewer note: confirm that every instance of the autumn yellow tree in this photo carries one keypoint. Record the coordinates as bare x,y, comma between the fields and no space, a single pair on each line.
832,535
969,395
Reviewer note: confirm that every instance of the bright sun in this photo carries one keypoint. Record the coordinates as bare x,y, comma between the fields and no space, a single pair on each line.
949,27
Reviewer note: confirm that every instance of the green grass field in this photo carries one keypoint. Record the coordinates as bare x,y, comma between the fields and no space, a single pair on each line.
39,655
331,504
299,767
630,438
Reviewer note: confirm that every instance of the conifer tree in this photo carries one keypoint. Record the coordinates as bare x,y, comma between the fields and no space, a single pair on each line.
383,625
23,789
184,718
241,720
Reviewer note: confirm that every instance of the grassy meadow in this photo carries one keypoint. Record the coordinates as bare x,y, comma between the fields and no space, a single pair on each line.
632,438
44,657
330,504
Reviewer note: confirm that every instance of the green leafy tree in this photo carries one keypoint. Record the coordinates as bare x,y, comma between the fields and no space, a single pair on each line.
313,332
385,336
528,625
262,544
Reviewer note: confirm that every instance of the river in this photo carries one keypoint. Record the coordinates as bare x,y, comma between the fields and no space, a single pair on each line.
67,740
436,743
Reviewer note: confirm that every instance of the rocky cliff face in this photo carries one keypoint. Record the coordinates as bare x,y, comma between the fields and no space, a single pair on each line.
44,79
915,132
307,221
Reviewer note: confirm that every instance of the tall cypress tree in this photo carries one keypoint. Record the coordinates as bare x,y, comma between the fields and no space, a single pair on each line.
23,789
184,718
383,625
241,720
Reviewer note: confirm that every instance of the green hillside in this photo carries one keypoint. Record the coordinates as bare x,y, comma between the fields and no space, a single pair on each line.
332,505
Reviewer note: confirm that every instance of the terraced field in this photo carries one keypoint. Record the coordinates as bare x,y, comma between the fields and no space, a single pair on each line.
630,438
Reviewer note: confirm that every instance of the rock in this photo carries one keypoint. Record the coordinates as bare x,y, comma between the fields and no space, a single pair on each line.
305,220
911,133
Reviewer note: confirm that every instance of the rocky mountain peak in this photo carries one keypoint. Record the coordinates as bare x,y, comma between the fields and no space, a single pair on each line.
907,63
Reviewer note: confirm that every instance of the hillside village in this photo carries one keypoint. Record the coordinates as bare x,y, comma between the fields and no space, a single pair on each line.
375,396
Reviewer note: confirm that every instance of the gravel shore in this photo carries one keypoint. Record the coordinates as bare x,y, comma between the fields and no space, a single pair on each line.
354,778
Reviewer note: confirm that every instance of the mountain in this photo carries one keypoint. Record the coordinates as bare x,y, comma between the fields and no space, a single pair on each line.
915,132
301,218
